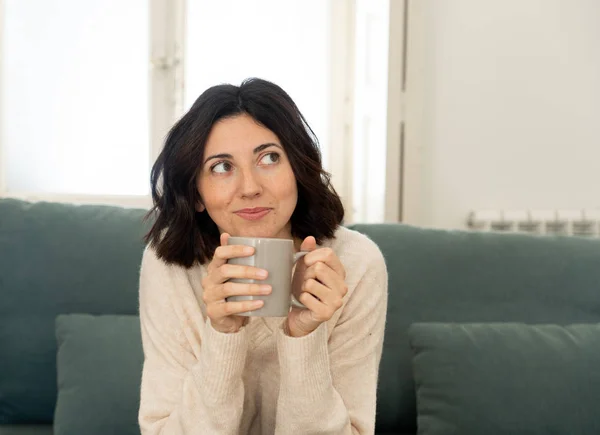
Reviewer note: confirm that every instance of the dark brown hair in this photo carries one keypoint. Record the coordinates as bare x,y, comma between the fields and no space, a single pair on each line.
183,236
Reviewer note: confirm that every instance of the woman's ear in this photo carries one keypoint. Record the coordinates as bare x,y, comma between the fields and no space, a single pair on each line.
199,206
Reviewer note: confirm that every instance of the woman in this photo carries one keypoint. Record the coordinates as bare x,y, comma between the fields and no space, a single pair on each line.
244,162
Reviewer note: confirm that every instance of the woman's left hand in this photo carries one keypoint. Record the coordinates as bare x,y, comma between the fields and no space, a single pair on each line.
319,283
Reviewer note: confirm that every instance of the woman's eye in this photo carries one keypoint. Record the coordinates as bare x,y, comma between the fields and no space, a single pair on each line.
221,167
270,159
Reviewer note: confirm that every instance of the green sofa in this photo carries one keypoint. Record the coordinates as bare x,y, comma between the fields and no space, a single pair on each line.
486,333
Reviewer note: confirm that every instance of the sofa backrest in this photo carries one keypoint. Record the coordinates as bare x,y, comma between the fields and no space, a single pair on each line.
60,259
456,276
55,259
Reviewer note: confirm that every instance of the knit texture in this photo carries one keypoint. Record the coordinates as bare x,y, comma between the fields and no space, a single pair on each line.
259,380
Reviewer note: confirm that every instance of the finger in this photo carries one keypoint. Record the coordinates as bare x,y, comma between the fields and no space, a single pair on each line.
327,256
217,259
229,289
319,311
327,276
316,289
330,297
332,300
228,271
308,244
225,309
227,252
224,238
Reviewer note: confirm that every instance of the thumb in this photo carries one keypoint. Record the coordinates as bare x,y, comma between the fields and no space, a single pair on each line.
308,244
224,238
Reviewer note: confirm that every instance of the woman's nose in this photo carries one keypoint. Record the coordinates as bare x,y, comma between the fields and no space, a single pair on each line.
250,185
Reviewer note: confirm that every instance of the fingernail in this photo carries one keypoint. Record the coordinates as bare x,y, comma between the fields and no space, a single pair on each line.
257,303
266,289
262,273
248,250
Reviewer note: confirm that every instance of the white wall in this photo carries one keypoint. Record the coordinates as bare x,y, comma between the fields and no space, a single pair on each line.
510,107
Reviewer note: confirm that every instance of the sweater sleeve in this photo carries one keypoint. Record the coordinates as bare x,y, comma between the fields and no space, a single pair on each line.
191,382
329,385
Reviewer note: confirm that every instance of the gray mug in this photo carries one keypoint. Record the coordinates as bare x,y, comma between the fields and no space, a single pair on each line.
277,257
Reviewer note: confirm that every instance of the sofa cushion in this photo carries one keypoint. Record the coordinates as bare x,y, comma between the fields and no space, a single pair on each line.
57,258
460,276
99,365
506,378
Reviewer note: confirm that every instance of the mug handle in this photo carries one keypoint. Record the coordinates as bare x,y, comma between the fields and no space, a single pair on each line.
295,302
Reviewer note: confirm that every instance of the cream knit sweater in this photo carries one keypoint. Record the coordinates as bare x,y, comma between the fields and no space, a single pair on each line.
259,380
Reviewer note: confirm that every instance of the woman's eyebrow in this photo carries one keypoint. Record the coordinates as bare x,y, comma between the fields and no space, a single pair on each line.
264,146
218,156
256,150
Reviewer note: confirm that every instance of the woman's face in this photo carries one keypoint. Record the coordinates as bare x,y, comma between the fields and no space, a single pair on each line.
246,183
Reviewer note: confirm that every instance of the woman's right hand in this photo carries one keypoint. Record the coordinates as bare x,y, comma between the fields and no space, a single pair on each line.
217,287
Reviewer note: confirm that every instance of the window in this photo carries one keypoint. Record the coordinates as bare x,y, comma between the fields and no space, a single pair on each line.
287,42
89,89
75,97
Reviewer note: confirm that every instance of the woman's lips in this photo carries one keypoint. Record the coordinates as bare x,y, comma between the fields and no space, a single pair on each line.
253,214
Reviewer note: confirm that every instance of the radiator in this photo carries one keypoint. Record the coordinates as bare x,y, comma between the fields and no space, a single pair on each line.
582,223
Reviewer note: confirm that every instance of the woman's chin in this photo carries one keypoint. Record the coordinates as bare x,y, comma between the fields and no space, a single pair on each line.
260,233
